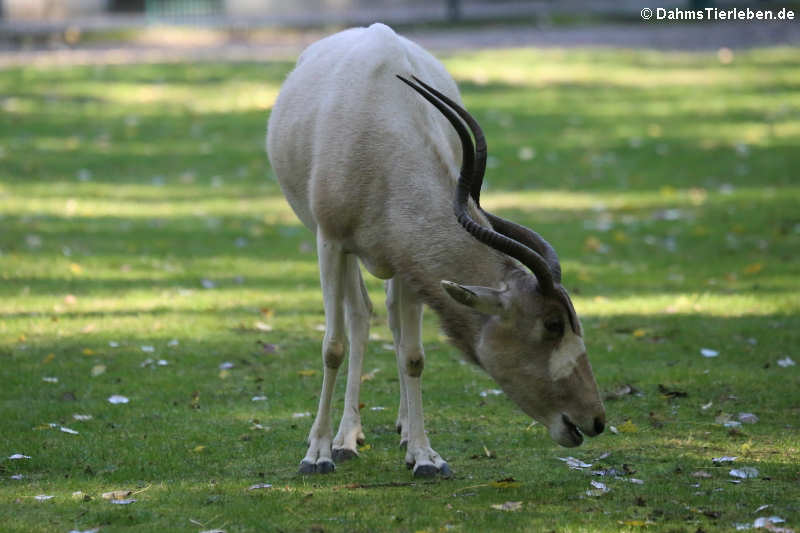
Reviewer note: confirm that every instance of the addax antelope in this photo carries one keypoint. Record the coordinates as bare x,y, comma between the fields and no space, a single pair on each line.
366,139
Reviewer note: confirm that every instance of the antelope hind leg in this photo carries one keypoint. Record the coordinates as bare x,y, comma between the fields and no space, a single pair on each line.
358,310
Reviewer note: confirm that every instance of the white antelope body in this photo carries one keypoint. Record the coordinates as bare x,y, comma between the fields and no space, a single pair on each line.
371,168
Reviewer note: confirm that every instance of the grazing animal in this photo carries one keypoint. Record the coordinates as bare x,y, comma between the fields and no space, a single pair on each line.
371,167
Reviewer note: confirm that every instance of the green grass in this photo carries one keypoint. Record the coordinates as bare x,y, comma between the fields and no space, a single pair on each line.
667,182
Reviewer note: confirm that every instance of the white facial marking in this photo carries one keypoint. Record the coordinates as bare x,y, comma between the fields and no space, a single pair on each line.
565,357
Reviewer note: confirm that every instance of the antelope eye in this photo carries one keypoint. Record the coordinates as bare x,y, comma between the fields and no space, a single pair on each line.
554,326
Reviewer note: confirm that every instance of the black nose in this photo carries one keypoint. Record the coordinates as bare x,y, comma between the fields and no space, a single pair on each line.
599,425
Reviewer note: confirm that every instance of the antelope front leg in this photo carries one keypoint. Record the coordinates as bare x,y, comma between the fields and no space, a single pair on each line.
411,360
332,270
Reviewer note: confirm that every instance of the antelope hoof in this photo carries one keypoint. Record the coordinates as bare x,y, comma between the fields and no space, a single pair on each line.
429,471
323,467
343,454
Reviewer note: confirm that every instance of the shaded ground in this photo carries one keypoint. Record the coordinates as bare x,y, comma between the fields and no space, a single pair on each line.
208,47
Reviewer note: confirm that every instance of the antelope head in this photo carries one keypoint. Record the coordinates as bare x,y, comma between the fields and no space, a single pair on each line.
530,339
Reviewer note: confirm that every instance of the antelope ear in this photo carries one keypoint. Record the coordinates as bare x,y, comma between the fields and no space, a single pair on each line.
483,299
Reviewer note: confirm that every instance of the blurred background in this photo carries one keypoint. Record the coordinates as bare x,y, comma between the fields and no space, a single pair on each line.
231,28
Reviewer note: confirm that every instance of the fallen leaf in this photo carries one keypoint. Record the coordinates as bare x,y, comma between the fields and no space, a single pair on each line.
50,380
224,374
370,375
82,418
701,474
746,472
262,326
199,448
259,398
621,391
724,459
491,392
748,418
126,501
116,494
68,430
148,349
594,244
507,506
598,490
628,427
767,522
267,347
259,486
722,418
301,415
753,268
18,456
575,464
43,497
117,399
49,357
97,370
708,352
786,362
227,365
671,393
507,483
307,372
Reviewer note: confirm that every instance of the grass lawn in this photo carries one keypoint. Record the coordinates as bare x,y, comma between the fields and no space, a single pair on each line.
146,251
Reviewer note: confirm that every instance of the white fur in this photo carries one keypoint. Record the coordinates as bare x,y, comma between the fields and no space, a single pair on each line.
565,357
